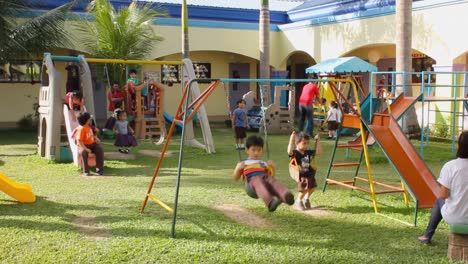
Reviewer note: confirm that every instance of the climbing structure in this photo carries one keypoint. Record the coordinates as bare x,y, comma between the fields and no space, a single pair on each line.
278,118
149,119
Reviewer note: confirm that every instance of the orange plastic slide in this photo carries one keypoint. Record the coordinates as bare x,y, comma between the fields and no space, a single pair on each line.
19,191
412,169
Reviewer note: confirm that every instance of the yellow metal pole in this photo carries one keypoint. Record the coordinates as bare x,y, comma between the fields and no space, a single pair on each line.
405,193
364,143
97,60
163,205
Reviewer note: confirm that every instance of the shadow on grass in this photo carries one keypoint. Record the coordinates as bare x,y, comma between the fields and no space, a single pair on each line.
43,208
15,137
204,224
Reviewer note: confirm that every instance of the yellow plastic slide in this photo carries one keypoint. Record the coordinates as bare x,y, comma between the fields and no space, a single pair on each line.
19,191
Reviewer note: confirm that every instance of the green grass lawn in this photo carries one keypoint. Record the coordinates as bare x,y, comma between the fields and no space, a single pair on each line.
350,232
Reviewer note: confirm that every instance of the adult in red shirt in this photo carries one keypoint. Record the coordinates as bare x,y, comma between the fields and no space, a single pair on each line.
115,97
310,93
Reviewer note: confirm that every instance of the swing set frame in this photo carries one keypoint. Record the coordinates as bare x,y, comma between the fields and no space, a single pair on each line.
182,116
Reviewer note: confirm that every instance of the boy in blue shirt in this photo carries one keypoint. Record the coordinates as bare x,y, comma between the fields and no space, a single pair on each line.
240,123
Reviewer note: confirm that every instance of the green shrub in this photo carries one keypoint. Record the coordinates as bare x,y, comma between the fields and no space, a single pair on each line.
27,123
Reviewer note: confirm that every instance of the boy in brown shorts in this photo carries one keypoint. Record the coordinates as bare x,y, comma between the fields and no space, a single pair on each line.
240,123
304,158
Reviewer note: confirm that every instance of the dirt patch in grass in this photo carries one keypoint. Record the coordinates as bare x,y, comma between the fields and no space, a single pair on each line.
315,211
89,228
118,156
154,153
244,216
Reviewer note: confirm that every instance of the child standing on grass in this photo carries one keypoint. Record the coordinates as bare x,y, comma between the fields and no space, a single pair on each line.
124,133
88,142
240,123
304,158
259,176
333,117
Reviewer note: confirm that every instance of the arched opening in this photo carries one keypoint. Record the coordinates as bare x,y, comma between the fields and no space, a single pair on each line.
43,137
296,64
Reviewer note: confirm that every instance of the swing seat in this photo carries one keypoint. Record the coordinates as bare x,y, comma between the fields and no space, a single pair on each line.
294,170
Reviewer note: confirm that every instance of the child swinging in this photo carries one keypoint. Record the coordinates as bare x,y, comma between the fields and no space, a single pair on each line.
258,174
302,167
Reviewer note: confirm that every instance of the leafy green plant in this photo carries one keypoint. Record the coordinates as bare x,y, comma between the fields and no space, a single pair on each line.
27,122
441,128
119,34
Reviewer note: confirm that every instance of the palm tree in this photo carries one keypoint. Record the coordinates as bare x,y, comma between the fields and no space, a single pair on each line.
185,33
30,38
403,41
124,34
264,45
403,57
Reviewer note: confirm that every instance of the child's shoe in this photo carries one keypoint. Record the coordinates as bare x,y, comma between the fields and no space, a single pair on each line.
274,204
299,206
121,150
99,172
307,204
126,151
289,198
85,174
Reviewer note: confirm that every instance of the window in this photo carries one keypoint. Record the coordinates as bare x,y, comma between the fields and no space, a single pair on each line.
21,71
170,73
423,63
202,70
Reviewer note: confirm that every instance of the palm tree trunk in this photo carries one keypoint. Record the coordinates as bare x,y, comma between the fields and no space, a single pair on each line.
264,47
185,35
189,134
404,59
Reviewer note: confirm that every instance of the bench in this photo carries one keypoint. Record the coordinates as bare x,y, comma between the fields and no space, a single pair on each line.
458,242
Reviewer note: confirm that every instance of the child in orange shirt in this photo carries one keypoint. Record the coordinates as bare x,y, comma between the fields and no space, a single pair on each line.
88,142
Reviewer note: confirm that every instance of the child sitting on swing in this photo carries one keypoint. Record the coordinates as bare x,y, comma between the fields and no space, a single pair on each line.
259,176
304,156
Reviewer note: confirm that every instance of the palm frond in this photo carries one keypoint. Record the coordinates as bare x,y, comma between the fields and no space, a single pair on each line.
37,35
124,34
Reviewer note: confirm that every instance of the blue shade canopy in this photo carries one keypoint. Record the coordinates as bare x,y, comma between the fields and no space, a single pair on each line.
342,65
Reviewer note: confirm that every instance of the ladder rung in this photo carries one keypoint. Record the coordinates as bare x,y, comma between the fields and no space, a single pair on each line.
350,146
333,182
346,164
347,184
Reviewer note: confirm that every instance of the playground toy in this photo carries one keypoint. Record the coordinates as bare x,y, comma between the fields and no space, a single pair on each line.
51,101
278,118
149,123
182,116
19,191
416,177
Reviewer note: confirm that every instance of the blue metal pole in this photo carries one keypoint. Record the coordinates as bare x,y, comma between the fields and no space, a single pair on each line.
179,164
